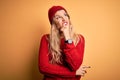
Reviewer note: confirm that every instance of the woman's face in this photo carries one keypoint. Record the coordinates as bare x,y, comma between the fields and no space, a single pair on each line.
61,18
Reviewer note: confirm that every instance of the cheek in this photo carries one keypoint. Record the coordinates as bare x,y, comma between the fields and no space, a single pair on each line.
59,24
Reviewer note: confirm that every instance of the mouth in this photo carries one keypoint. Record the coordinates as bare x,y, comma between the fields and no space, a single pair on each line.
65,23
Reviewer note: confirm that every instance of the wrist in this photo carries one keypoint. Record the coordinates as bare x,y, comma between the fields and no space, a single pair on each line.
67,37
69,41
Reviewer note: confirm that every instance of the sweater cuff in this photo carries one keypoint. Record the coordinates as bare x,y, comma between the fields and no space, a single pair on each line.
69,46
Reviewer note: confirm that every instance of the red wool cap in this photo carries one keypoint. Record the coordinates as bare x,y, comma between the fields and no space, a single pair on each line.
53,10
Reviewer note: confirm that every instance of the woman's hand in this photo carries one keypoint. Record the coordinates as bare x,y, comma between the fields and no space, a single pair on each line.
66,30
82,70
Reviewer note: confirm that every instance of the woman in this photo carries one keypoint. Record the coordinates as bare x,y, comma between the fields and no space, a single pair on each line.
61,52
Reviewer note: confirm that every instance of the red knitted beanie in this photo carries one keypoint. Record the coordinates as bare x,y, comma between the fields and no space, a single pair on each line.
53,10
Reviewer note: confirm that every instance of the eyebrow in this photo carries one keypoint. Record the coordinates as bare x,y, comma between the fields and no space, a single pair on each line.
59,15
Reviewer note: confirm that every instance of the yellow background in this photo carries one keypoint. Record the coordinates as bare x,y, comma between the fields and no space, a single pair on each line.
23,22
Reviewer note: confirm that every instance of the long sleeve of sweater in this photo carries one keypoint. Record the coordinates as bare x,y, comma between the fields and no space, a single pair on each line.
73,56
50,69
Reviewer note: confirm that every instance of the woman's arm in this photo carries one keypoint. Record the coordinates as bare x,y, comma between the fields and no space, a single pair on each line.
74,54
51,69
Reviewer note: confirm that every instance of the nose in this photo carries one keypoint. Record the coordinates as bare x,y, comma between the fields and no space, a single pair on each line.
63,19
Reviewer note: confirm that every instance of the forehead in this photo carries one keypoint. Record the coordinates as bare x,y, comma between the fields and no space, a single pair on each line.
60,12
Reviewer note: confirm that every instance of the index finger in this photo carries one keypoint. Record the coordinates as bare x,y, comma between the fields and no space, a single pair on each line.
86,66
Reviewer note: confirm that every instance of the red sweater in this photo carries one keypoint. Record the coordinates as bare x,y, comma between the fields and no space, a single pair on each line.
73,58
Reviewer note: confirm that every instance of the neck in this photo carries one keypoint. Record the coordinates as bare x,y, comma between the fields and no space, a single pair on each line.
61,35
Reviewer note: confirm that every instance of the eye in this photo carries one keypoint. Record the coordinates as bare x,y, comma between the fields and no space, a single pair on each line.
66,14
57,17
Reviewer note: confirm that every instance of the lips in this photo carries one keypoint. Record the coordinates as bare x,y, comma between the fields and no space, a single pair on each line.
65,23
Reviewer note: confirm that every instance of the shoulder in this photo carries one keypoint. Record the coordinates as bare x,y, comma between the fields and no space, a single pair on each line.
45,37
81,37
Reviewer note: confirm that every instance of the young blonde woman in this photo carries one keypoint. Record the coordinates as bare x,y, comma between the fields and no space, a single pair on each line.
61,52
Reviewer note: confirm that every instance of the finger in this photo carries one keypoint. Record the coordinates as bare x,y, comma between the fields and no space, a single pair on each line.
84,71
62,29
86,66
83,74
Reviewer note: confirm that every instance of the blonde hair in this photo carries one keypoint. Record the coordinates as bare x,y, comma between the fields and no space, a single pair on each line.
54,43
